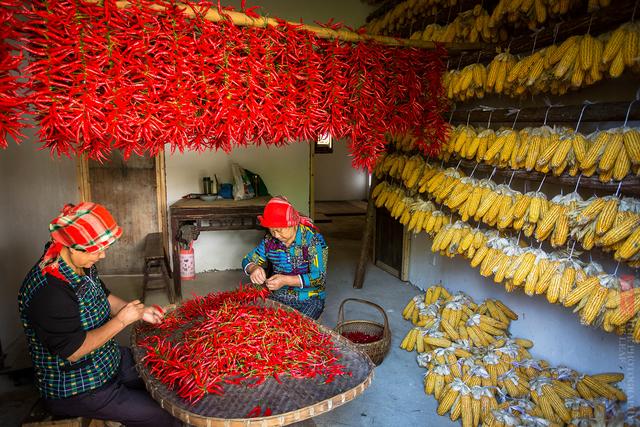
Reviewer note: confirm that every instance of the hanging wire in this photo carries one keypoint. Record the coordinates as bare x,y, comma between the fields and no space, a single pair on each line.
555,32
535,39
633,15
586,104
458,165
572,247
615,272
618,190
474,169
547,101
626,118
511,179
515,111
469,115
577,183
541,182
493,172
460,61
590,22
451,115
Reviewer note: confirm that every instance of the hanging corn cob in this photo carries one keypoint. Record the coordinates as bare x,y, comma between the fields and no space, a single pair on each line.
406,13
472,26
577,62
469,377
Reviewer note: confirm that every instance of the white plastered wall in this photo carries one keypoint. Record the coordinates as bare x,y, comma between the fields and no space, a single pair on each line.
34,189
284,170
335,178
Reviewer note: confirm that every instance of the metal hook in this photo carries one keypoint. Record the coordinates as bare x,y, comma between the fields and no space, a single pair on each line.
511,179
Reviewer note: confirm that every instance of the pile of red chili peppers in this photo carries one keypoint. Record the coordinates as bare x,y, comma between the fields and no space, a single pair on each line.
229,338
136,79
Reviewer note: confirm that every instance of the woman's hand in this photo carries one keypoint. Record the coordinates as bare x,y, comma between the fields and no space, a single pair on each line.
152,315
277,281
257,275
132,312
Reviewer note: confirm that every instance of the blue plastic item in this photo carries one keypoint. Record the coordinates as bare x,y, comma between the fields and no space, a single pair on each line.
226,191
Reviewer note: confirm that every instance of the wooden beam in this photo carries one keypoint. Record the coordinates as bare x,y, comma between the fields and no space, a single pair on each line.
367,238
243,20
599,112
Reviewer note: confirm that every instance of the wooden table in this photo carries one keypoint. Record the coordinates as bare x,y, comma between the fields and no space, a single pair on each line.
211,216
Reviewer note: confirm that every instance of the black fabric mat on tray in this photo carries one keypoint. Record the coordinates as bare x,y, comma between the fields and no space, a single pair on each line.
290,394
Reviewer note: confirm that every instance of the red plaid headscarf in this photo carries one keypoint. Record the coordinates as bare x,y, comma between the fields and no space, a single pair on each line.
280,213
87,227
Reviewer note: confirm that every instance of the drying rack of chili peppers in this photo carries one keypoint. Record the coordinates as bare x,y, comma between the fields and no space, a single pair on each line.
235,355
138,77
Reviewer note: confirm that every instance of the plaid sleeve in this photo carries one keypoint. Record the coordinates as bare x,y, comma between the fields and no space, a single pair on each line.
318,255
257,256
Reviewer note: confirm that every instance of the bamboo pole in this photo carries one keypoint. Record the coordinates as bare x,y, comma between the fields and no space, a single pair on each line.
243,20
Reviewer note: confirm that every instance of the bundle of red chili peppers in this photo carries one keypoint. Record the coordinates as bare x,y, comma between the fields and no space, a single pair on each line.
229,338
139,78
12,103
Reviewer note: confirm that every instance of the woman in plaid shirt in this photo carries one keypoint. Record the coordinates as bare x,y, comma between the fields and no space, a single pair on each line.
291,260
70,319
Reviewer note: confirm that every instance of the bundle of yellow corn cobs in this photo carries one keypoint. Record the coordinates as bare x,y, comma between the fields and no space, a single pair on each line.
598,297
534,13
405,14
471,26
577,62
414,212
481,376
610,223
612,154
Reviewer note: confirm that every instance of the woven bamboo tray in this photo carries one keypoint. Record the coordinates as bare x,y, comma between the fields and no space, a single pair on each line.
291,401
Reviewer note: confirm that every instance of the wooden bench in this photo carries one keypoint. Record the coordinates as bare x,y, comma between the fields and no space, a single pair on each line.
156,266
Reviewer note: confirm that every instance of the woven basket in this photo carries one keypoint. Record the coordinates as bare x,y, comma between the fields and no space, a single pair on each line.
376,350
292,400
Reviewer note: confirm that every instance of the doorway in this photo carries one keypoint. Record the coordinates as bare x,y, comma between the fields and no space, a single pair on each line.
134,192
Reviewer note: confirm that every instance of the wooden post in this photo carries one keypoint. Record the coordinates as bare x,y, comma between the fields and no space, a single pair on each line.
367,238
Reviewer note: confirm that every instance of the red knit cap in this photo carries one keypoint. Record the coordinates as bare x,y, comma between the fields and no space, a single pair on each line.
87,227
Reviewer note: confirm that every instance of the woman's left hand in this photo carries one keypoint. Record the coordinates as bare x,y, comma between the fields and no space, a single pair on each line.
152,315
277,281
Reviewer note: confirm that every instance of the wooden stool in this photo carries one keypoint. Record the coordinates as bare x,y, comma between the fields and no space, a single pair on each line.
155,258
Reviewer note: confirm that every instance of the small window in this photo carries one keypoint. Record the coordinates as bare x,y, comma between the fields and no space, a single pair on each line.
324,144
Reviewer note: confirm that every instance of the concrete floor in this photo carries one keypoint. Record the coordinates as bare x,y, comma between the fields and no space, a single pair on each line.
395,397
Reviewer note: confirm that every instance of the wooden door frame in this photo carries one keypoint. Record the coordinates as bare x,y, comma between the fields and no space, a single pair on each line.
84,191
403,274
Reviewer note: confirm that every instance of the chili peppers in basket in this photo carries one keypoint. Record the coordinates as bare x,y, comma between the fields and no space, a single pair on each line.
230,338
